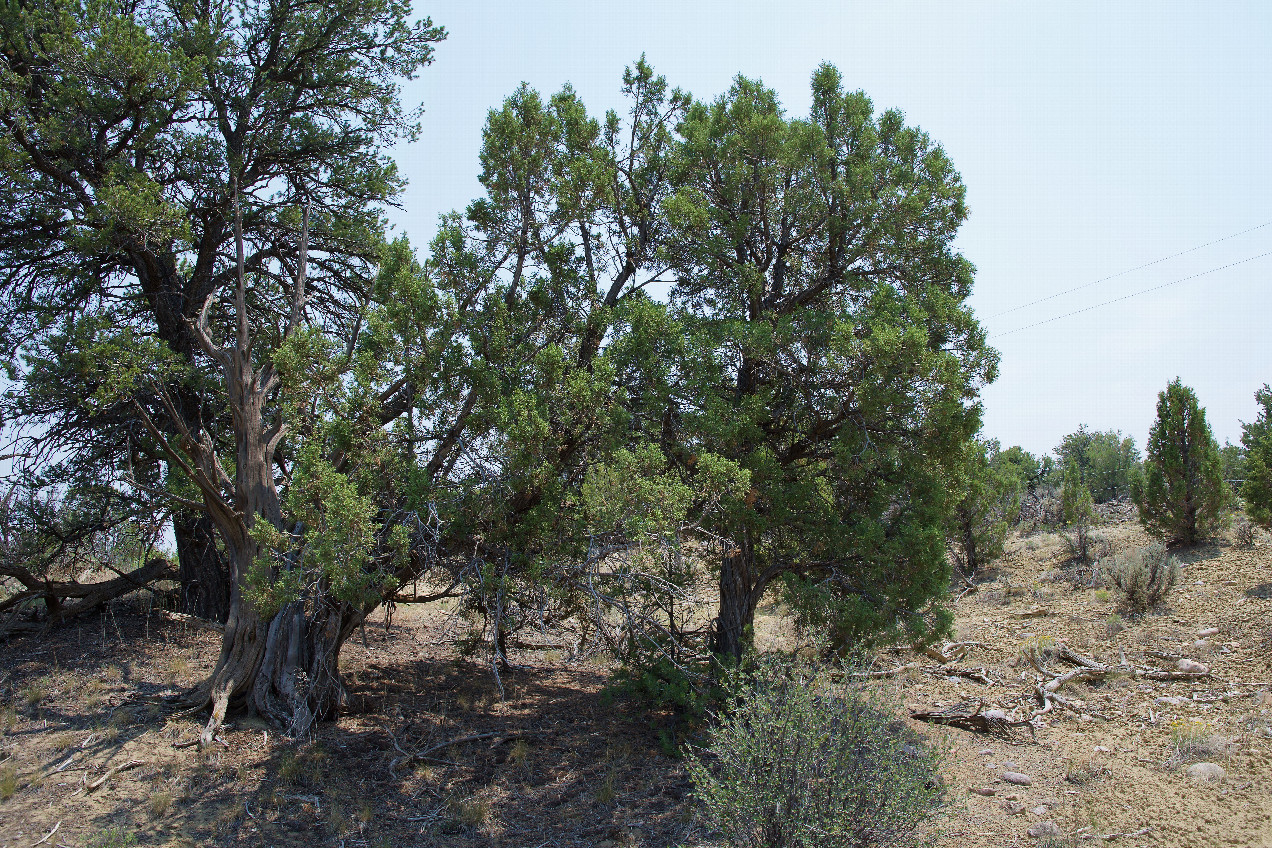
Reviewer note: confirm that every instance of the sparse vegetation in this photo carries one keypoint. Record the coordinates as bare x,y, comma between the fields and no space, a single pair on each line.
112,837
798,761
1144,577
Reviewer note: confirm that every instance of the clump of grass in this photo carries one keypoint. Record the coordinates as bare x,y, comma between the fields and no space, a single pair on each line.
1192,742
1084,771
159,803
1102,595
34,693
1113,625
605,793
469,813
8,718
8,781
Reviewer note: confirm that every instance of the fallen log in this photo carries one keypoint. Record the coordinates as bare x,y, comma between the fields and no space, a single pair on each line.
974,718
89,595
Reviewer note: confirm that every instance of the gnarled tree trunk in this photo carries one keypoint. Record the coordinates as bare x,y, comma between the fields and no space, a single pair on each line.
741,587
203,575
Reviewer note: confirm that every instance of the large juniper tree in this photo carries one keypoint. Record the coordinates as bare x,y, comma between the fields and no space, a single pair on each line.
831,353
122,130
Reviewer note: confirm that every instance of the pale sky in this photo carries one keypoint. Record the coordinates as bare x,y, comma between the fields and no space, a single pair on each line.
1094,138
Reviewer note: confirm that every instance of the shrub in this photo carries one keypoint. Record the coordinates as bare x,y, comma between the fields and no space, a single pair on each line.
1145,577
1180,493
1244,534
798,761
1079,515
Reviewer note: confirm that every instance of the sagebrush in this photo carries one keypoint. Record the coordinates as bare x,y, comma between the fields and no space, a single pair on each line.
796,761
1144,577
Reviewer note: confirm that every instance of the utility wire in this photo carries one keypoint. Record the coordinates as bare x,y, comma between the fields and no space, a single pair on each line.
1131,295
1128,271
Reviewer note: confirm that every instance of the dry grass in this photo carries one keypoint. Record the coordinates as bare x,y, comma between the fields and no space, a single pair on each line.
8,781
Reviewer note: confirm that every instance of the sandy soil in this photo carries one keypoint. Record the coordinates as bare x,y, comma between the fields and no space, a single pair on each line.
560,762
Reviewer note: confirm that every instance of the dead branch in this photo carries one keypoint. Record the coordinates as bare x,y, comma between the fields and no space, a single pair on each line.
192,621
111,773
966,716
980,675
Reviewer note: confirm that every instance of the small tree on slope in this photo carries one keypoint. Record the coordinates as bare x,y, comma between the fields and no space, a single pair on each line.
1180,494
1257,439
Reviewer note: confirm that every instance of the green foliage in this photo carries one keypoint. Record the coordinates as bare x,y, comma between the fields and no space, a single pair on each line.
1181,494
844,387
1028,469
796,760
1104,461
1144,577
1256,438
990,502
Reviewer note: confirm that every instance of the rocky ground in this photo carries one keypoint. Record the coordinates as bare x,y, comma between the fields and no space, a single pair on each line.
89,758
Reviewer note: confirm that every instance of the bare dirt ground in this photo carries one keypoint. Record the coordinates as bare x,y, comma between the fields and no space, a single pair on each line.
557,761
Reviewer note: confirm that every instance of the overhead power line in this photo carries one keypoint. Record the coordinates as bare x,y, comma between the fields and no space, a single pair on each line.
1128,271
1131,295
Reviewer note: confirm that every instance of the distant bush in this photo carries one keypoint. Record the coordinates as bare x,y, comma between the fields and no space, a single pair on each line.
797,761
1104,461
1144,577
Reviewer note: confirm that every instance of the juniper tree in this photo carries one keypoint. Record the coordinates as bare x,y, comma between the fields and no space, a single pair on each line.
122,129
830,354
990,499
1180,494
1256,437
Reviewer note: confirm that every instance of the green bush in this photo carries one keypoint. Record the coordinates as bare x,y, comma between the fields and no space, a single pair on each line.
796,761
1144,577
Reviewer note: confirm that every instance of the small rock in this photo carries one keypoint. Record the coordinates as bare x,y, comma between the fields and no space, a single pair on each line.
1040,810
1013,808
1100,749
994,714
986,752
1192,667
1206,772
1017,778
1201,645
1008,765
1172,701
1042,829
1209,631
987,791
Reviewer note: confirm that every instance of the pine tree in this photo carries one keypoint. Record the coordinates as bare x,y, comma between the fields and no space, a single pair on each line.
1180,493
